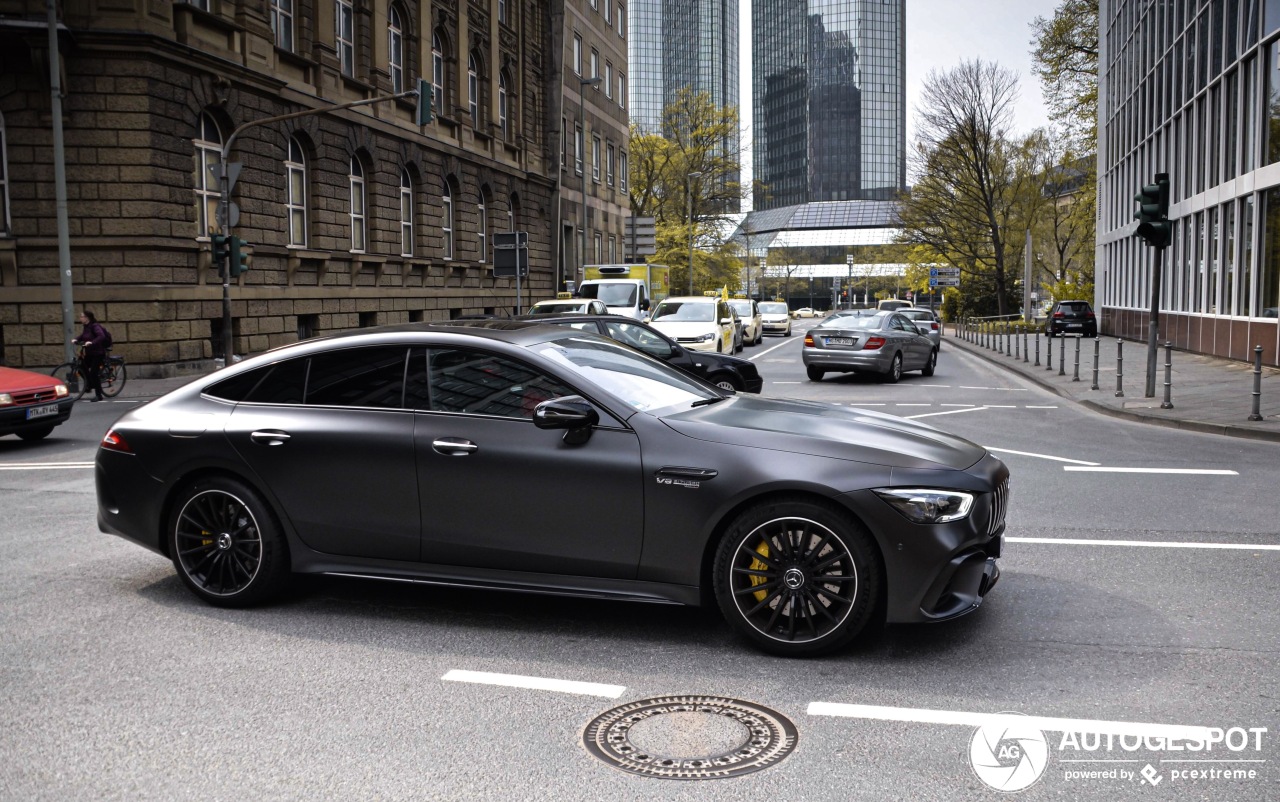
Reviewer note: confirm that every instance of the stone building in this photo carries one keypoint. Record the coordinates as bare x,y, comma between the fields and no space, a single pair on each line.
353,218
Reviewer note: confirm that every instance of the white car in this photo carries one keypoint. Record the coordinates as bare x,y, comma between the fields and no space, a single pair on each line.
560,306
805,311
698,323
752,323
774,318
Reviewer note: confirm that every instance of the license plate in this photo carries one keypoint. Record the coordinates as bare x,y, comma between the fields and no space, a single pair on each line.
1074,325
840,341
41,412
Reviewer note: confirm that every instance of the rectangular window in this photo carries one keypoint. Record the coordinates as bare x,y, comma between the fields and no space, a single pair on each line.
595,159
564,144
595,4
406,221
297,204
622,170
608,13
622,26
502,12
608,80
597,253
609,164
577,149
282,23
345,25
622,90
577,54
446,225
357,214
613,250
4,183
595,65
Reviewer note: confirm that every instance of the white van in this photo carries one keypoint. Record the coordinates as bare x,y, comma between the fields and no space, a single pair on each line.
628,297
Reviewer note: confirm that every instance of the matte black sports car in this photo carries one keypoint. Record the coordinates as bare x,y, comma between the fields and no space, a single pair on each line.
381,453
724,371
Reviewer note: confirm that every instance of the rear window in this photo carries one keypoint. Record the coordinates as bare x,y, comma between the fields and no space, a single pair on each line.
1075,306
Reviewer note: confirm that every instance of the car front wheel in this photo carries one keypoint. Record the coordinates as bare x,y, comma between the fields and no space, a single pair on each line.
226,545
726,382
797,578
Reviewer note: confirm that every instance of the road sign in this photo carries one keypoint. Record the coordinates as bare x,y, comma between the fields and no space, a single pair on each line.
640,236
940,272
232,171
235,216
944,281
511,254
848,258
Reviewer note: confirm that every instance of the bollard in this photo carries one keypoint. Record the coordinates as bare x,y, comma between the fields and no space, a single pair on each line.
1075,369
1048,352
1062,356
1097,342
1168,376
1037,349
1119,368
999,339
1257,384
1026,352
1017,347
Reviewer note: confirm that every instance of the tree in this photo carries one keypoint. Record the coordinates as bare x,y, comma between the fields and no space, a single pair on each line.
1065,54
684,177
978,188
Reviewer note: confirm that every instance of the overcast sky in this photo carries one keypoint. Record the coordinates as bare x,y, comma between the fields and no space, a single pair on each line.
940,34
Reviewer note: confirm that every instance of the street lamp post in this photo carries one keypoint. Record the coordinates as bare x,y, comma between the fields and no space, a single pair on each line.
583,83
689,195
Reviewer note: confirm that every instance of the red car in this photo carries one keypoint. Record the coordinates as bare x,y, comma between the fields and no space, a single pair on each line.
31,404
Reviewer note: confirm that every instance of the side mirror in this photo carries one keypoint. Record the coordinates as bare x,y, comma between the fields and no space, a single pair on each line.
727,321
572,413
644,304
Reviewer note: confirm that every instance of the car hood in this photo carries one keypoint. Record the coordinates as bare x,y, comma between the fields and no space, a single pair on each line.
685,328
826,431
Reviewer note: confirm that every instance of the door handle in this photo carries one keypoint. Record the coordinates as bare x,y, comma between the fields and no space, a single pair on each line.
269,438
454,446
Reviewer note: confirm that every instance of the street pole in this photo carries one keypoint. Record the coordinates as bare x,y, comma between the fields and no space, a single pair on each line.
60,190
688,185
1153,327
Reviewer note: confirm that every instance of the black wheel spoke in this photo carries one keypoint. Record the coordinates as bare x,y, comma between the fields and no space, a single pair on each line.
791,616
803,598
784,538
835,597
773,619
755,589
764,603
754,572
830,561
758,556
217,542
833,578
817,551
820,607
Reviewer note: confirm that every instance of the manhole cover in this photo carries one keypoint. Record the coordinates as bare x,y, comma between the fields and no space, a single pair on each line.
690,737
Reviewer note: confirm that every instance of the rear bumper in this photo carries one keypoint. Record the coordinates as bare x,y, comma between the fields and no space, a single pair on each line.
878,360
128,500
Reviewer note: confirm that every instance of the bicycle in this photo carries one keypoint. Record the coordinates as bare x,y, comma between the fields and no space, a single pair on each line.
74,376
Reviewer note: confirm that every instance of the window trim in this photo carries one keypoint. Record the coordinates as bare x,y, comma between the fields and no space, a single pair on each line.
360,219
482,231
295,204
446,222
595,158
346,47
473,90
395,48
406,213
579,148
284,33
577,54
437,72
207,195
503,99
6,218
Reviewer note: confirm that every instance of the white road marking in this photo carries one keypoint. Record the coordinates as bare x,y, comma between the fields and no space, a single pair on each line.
1041,456
1031,407
786,341
965,719
1146,544
945,386
43,466
784,382
536,683
957,405
1002,406
948,412
913,405
1180,471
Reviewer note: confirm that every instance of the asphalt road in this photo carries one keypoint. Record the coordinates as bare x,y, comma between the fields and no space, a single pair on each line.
119,684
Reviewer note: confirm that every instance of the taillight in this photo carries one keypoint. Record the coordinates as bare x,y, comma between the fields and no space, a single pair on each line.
808,341
1089,315
933,326
1058,314
873,343
112,441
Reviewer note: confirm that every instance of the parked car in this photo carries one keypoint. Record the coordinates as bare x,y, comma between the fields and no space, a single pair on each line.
560,306
724,371
448,454
1071,317
927,321
805,311
739,331
885,343
774,318
752,321
32,404
700,322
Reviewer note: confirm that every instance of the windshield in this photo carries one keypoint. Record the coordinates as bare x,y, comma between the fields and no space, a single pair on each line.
743,308
773,309
611,294
691,311
855,322
643,382
555,309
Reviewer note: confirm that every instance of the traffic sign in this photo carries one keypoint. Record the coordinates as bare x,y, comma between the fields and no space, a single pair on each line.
511,254
937,272
944,281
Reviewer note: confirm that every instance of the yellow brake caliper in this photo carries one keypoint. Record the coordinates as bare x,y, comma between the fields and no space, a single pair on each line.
756,565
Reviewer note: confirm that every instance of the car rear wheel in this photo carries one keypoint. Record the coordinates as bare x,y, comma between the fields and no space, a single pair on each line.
895,369
797,578
815,374
931,364
226,545
36,434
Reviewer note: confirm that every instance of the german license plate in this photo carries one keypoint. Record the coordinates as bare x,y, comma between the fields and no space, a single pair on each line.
1074,325
840,341
41,412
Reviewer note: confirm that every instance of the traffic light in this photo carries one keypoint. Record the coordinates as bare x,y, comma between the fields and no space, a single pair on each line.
239,259
220,243
422,111
1153,213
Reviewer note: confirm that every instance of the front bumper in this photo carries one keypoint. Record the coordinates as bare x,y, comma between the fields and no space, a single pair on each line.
776,325
14,419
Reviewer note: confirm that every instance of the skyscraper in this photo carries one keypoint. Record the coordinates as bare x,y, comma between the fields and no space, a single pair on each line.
829,100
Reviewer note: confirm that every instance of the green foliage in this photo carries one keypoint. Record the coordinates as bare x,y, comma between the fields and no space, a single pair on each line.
1065,55
951,304
1069,290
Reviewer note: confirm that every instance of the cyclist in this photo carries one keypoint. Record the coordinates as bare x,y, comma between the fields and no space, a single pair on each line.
94,338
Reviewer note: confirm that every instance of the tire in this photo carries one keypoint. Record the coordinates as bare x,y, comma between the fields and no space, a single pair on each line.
113,388
68,372
817,572
226,545
815,373
895,369
726,381
36,434
788,332
929,366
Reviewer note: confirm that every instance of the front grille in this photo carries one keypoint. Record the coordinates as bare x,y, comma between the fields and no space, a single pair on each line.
999,506
34,396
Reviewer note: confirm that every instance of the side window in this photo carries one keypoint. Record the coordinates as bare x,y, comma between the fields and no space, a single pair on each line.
237,388
486,384
639,337
358,377
285,384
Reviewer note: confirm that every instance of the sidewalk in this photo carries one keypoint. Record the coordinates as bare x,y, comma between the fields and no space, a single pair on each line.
1209,394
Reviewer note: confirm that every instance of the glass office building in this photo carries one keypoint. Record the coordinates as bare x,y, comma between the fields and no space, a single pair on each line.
829,100
1192,88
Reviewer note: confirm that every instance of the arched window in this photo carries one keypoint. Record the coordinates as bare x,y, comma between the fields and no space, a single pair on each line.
473,90
344,22
208,145
295,168
437,73
358,219
5,222
483,231
406,213
395,49
502,105
446,222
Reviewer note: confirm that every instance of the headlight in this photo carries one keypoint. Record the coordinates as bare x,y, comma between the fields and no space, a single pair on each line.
5,399
928,506
60,390
708,337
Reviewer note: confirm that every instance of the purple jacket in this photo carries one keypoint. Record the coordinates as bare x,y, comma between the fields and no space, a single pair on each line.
94,339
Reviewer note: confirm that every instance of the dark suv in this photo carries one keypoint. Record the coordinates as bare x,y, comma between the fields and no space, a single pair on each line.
1072,317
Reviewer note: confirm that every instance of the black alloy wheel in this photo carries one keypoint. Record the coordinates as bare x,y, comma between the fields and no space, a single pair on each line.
931,364
797,578
895,370
225,544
